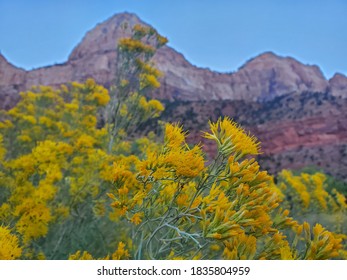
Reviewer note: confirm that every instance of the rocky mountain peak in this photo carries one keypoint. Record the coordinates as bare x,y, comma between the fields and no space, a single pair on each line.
262,78
104,36
9,73
338,85
277,75
4,63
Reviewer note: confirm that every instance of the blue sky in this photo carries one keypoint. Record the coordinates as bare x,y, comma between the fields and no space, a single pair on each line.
219,34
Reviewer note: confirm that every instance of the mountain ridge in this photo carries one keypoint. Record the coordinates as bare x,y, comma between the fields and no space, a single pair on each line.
298,114
261,78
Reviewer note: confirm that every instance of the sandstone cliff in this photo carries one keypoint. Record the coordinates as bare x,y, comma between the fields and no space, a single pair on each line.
260,79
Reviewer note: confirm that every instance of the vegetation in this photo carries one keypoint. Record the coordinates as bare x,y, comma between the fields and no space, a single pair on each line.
77,183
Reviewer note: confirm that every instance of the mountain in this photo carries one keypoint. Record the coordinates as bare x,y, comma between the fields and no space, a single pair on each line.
291,107
260,79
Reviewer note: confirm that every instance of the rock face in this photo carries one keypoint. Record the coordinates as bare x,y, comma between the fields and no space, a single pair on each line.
11,82
297,114
268,76
338,85
260,79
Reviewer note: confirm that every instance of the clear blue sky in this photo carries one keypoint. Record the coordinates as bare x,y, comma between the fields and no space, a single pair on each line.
219,34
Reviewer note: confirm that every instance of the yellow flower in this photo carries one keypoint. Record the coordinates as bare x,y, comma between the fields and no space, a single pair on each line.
2,149
81,256
147,68
77,85
9,245
90,83
325,244
161,40
136,218
123,191
102,97
85,141
230,137
143,103
286,253
89,121
156,105
30,119
182,199
6,124
45,121
215,236
72,106
122,174
341,199
320,194
33,221
298,186
186,163
78,160
5,210
167,193
317,229
24,138
174,135
215,247
131,45
121,253
140,30
45,191
123,110
148,80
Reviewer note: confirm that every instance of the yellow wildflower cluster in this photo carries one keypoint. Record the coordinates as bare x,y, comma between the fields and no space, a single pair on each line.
136,78
228,205
141,31
131,45
308,198
231,138
152,107
9,245
148,68
310,191
120,254
56,167
148,80
325,245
